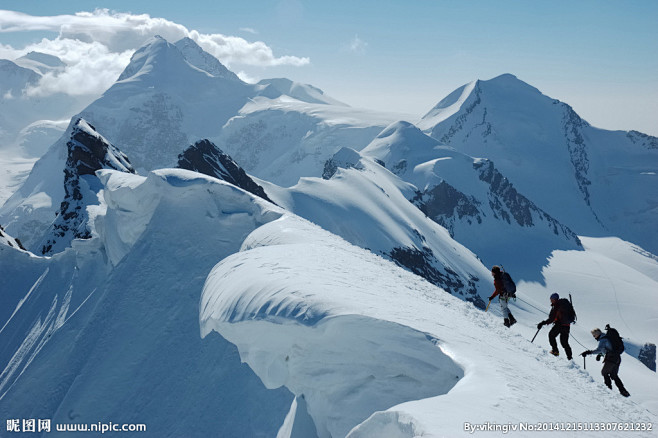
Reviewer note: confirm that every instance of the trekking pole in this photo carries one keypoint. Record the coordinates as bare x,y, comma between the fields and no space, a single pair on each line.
533,338
584,363
485,310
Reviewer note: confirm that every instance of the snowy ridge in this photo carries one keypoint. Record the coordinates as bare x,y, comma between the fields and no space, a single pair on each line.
202,60
447,107
300,295
367,205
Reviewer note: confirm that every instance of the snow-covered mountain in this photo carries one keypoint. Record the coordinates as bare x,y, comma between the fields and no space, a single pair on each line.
597,182
473,200
87,152
172,95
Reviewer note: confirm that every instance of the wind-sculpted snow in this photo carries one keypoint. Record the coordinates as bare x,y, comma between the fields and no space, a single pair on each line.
304,334
108,329
371,350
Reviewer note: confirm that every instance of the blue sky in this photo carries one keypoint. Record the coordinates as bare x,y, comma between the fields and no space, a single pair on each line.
600,56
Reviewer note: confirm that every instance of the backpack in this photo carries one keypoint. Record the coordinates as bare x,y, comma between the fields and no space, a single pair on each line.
567,312
615,340
508,284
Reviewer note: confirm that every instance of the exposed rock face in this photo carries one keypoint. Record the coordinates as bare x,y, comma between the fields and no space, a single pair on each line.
424,263
446,205
345,158
87,152
204,157
648,356
503,194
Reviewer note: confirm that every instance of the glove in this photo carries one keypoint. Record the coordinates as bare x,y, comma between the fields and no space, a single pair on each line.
598,357
491,298
585,353
540,325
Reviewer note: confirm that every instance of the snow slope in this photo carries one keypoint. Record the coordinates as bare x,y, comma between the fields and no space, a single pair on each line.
384,353
597,182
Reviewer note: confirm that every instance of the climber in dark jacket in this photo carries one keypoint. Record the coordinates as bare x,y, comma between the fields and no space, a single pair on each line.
561,326
504,297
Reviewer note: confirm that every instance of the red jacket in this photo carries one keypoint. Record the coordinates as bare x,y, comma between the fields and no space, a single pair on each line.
498,284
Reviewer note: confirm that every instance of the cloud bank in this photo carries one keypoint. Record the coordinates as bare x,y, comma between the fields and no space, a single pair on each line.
96,46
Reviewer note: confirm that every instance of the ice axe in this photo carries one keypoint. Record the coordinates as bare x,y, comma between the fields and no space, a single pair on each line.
485,310
533,338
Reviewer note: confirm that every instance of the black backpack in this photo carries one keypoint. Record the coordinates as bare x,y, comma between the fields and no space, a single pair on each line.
508,284
615,340
567,312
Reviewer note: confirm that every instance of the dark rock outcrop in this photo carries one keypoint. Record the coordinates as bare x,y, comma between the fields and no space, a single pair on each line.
206,158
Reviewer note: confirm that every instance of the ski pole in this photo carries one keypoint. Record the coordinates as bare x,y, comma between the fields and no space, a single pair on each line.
485,310
533,338
584,363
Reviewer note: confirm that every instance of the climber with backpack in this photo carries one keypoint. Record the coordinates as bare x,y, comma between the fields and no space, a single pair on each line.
504,289
562,315
611,346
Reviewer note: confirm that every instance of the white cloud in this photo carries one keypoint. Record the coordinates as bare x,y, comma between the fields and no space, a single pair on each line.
249,30
96,46
357,45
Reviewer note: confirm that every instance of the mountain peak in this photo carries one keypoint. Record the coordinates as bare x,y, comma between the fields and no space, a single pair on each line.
87,152
203,60
507,84
400,143
42,58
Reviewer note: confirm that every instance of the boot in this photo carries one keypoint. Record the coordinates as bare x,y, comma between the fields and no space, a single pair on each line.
512,320
623,392
506,322
555,352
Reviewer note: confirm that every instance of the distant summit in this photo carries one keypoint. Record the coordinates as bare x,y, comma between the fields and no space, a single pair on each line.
570,169
42,63
277,87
